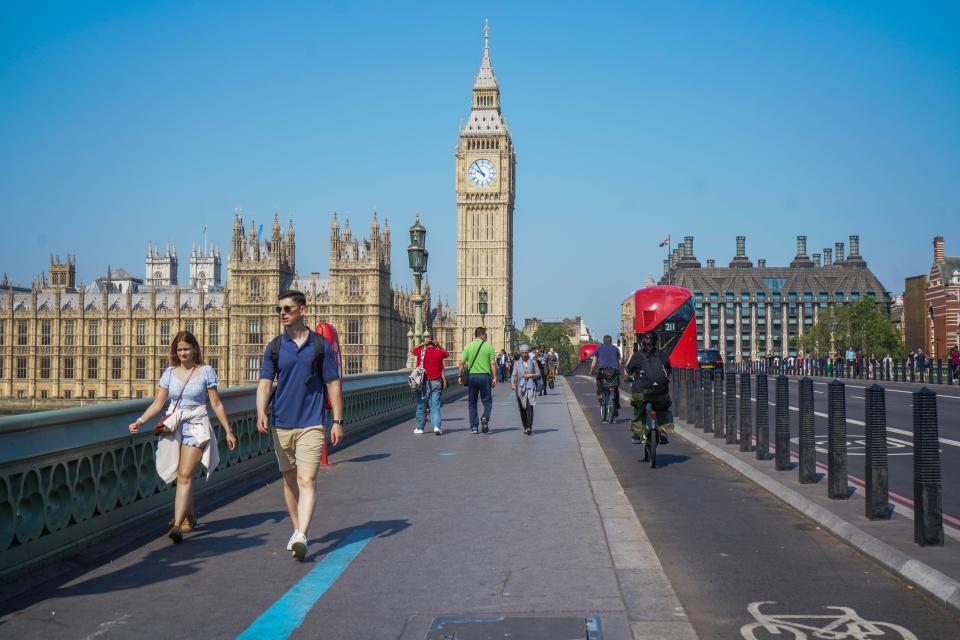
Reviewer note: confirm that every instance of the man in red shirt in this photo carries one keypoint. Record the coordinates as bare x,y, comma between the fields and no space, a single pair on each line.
431,355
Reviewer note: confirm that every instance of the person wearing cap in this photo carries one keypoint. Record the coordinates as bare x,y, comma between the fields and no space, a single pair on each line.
526,373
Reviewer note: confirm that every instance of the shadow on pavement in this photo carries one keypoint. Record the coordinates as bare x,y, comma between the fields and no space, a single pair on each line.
380,528
372,457
667,459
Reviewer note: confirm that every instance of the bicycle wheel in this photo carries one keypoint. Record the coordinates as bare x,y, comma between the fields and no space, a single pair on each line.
653,438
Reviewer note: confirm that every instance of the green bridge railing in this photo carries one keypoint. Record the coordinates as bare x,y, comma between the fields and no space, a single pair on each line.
72,477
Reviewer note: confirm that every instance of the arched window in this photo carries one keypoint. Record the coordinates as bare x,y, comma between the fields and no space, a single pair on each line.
202,280
254,288
157,279
353,287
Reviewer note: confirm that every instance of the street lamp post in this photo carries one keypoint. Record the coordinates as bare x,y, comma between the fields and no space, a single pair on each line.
482,306
417,255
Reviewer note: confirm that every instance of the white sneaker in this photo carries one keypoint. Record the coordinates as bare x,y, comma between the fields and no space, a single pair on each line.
437,431
417,431
293,537
298,545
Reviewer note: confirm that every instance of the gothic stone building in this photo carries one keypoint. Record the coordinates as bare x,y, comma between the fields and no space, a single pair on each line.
111,339
750,311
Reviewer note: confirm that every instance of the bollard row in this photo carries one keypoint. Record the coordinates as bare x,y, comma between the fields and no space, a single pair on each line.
708,400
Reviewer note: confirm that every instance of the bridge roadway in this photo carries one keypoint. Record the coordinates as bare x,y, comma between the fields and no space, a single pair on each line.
414,527
899,405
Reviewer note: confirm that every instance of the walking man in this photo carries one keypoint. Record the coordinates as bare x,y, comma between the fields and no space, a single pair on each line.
525,372
305,368
476,364
431,355
502,359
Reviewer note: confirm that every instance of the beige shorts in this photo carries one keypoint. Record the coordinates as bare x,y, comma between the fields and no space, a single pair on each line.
298,447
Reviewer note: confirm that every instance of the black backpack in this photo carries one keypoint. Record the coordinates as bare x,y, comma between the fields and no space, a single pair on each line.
652,376
316,367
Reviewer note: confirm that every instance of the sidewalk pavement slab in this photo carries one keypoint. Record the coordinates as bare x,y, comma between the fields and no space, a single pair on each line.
462,524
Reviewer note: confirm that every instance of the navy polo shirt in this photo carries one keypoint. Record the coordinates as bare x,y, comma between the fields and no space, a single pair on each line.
297,403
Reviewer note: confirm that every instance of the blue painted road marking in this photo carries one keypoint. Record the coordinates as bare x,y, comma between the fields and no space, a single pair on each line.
287,613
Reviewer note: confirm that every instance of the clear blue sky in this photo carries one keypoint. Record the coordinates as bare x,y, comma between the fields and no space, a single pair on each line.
123,122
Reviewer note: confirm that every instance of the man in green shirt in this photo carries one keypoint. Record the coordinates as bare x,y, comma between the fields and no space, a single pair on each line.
478,359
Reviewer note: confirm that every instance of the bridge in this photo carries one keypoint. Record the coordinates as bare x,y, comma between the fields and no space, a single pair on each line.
561,534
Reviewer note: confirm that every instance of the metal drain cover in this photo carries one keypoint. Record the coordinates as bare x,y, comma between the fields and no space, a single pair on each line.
515,628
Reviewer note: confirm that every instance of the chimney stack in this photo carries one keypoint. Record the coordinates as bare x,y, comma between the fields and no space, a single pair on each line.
827,257
816,259
801,246
839,257
741,260
666,265
761,263
688,246
938,249
711,264
854,246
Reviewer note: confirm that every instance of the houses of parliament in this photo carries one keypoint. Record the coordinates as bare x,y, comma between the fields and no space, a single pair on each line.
62,342
110,339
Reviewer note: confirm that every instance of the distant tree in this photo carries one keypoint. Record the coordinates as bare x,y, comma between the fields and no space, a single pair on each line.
518,338
555,335
860,325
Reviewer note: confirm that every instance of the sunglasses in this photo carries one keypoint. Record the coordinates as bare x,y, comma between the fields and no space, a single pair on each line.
286,309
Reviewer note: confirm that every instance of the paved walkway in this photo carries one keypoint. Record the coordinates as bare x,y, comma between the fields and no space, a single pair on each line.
408,528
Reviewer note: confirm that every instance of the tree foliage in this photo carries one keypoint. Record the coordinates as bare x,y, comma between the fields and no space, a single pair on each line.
555,335
860,326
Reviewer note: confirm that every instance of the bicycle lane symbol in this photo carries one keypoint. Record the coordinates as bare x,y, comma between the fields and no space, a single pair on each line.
844,624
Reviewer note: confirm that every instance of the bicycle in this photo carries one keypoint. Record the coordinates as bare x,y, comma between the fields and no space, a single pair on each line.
551,376
651,436
846,626
610,386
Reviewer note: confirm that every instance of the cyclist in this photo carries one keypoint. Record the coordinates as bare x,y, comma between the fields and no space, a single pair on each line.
606,362
650,369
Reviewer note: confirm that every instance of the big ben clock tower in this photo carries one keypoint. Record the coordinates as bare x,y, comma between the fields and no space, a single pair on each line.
485,193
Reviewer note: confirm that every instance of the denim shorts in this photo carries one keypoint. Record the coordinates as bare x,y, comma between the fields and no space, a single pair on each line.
186,436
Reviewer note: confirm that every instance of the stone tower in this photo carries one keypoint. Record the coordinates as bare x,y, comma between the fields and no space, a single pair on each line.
485,162
63,274
161,269
205,267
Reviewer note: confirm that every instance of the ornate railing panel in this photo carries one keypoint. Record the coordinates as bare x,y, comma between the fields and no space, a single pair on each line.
71,477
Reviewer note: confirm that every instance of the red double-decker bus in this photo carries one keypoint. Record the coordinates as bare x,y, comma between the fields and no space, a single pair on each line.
587,350
669,312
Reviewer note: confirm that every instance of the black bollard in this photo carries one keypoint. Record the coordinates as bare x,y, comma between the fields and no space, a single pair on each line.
808,453
718,404
674,389
927,496
763,418
681,383
707,401
782,434
877,504
746,429
837,441
939,371
690,410
731,420
697,398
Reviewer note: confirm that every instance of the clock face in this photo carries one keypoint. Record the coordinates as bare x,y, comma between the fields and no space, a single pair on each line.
482,172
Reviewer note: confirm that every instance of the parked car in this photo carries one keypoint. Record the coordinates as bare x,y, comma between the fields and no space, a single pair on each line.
709,359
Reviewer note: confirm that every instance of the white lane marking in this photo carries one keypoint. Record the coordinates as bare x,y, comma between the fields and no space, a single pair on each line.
856,386
104,627
852,625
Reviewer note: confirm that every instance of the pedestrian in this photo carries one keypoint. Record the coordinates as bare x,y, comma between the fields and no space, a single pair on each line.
553,366
650,369
307,372
186,437
525,373
431,355
955,364
542,363
502,360
478,377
